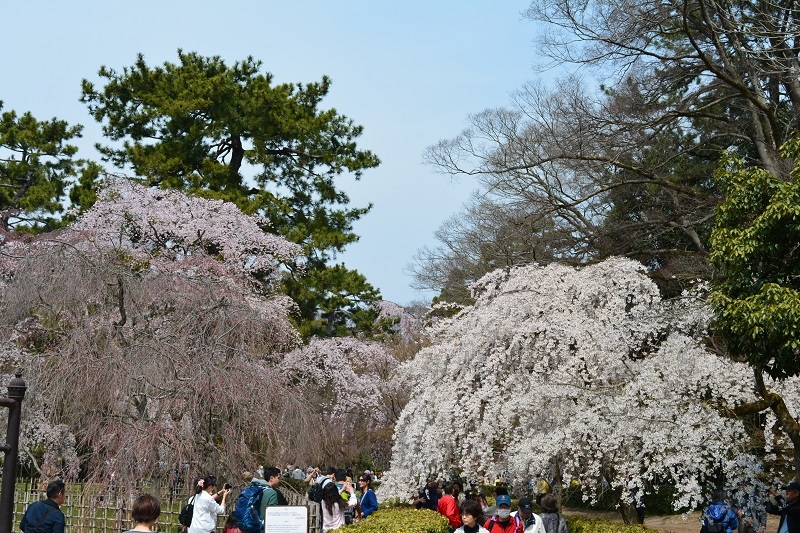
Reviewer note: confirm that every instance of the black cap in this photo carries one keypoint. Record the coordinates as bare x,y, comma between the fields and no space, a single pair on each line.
525,504
794,485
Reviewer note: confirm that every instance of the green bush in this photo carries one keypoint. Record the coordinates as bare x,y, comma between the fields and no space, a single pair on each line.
659,501
399,520
297,485
577,524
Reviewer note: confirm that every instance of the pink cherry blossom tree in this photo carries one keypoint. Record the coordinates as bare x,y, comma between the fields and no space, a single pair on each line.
150,336
584,374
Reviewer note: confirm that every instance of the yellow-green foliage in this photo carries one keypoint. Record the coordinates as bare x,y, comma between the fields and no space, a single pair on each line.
401,521
577,524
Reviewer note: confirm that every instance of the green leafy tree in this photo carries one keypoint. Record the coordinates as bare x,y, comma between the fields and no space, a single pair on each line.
755,248
227,132
38,171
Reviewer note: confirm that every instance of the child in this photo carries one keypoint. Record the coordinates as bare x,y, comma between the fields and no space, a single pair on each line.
231,526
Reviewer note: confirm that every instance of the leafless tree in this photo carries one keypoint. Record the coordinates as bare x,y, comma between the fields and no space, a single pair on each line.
620,158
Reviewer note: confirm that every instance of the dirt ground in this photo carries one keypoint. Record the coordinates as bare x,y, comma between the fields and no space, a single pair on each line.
668,524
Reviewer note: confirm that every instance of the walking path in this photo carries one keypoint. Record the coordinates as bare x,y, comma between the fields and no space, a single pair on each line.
666,524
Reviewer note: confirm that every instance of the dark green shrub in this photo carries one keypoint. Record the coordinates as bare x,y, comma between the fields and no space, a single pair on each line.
607,498
657,500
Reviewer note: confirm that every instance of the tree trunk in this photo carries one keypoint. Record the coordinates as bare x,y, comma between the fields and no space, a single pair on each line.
628,512
558,482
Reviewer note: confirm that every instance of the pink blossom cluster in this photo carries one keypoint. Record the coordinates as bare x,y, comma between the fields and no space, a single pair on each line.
352,376
405,324
158,225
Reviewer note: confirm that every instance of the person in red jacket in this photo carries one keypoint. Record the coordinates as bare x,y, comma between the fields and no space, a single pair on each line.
448,507
503,522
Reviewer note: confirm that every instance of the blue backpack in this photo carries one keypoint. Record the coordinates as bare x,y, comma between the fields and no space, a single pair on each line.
248,505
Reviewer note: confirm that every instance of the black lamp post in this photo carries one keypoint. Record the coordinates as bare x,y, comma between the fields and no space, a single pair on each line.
13,400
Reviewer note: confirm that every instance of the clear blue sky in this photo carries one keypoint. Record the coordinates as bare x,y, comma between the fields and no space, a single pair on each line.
409,71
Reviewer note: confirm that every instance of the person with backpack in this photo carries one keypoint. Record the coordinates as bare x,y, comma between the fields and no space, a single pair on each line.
271,495
719,517
530,520
248,505
317,481
334,505
206,509
552,520
502,521
788,507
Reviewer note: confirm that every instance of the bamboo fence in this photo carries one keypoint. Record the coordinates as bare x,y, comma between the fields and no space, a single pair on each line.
98,508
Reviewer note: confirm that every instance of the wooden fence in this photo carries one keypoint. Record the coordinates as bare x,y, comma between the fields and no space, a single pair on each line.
95,508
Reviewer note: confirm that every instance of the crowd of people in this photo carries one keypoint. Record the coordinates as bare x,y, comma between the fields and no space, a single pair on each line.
470,512
748,516
338,497
466,513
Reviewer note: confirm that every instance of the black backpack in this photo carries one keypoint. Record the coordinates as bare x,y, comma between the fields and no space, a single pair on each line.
315,490
717,527
185,518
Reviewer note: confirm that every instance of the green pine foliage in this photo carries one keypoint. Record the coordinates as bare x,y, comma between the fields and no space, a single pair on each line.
39,171
228,132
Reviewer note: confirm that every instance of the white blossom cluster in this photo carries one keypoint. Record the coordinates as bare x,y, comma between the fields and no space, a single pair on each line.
587,369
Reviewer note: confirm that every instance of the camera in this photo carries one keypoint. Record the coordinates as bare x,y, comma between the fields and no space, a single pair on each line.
227,486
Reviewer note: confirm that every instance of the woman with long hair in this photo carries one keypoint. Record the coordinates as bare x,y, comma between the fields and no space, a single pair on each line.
206,509
369,502
145,512
334,504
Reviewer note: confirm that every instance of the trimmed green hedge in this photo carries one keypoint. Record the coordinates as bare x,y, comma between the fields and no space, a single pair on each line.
399,520
407,520
577,524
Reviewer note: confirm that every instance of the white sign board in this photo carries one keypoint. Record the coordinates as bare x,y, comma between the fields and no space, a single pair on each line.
286,519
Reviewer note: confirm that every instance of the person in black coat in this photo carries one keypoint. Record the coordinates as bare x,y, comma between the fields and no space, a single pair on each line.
788,507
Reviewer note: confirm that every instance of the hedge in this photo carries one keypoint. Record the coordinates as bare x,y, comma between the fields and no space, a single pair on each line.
577,524
407,520
400,520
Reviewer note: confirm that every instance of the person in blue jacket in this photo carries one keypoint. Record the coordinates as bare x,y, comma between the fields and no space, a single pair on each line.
719,517
45,516
369,502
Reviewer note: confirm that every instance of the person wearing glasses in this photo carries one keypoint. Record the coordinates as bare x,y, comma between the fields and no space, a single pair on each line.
369,502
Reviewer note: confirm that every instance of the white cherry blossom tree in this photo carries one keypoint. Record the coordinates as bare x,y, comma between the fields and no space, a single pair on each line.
584,374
